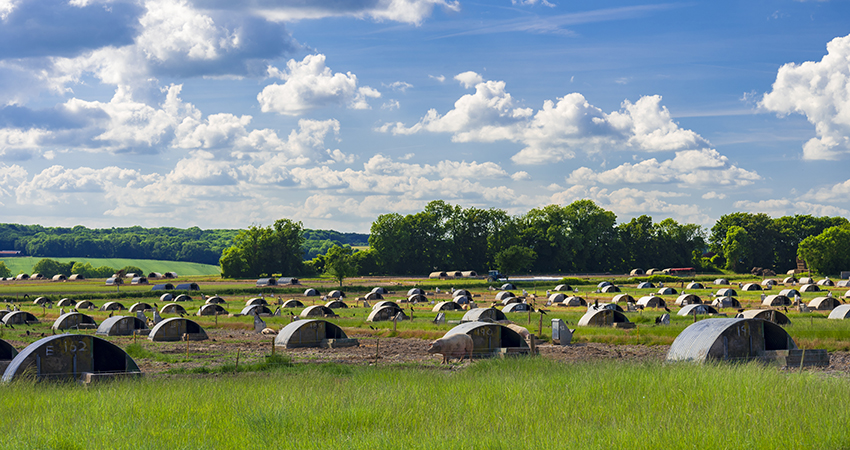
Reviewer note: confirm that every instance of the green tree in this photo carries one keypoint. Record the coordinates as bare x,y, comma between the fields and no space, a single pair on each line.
265,251
133,269
49,268
340,264
737,247
515,259
827,253
4,271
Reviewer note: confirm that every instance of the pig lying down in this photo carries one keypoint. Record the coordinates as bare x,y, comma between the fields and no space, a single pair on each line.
454,346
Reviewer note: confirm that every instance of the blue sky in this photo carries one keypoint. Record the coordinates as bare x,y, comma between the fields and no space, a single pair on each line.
205,113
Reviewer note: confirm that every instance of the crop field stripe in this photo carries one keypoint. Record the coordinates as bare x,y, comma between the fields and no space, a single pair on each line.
513,403
183,268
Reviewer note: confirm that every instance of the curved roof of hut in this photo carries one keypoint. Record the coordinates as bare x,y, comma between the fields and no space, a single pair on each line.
120,326
776,300
508,338
255,309
16,317
386,312
380,290
172,308
415,291
211,310
446,306
438,275
557,297
504,295
166,297
373,296
809,288
789,292
563,287
623,298
417,298
666,290
317,311
726,302
634,272
256,301
610,289
807,280
183,298
698,340
840,312
726,292
336,294
574,300
769,282
215,300
311,293
459,292
602,317
517,307
751,287
789,280
141,306
481,314
770,315
510,300
72,320
112,306
383,303
688,310
645,285
508,287
688,299
173,329
602,284
293,303
695,285
824,303
825,282
721,282
310,332
613,306
66,302
336,304
652,301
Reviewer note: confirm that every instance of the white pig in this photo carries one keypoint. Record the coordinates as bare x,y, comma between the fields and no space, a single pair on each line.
522,331
454,346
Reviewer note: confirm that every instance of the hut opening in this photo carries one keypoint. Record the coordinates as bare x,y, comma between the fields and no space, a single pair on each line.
77,277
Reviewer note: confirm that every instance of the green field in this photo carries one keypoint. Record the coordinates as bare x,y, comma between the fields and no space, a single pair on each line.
496,404
25,264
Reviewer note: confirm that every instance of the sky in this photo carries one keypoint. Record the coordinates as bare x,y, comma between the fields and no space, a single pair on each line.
224,114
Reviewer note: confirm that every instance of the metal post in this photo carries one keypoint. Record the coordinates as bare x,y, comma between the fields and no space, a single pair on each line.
237,359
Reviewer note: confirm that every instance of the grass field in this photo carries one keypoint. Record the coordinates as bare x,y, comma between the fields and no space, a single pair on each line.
494,404
25,264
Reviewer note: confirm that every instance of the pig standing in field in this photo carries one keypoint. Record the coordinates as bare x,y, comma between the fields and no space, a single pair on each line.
454,346
522,331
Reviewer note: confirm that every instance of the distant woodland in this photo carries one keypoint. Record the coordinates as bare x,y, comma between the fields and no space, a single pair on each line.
171,244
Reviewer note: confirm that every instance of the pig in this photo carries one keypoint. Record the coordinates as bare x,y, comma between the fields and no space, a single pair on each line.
454,346
522,331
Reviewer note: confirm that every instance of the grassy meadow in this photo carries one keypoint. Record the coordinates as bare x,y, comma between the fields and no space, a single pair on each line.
508,404
24,264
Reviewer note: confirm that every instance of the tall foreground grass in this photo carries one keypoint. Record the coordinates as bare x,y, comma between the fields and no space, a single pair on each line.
518,403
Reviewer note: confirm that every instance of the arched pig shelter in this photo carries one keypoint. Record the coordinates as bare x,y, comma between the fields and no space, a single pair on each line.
175,328
256,301
121,326
824,303
256,309
386,312
517,307
317,311
483,314
73,320
172,308
841,312
488,339
446,306
729,339
776,300
602,317
309,333
292,303
699,309
336,304
67,357
211,310
688,299
19,318
137,307
610,289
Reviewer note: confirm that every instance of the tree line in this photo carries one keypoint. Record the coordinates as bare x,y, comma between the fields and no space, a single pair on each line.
165,243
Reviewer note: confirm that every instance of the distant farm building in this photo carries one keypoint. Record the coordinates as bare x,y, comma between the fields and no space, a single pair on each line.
438,275
636,272
60,277
265,282
139,280
187,287
77,277
163,287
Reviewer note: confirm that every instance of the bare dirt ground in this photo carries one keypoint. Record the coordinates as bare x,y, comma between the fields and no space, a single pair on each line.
224,345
